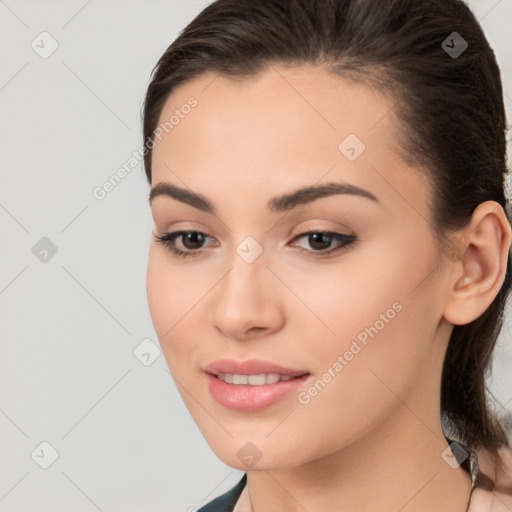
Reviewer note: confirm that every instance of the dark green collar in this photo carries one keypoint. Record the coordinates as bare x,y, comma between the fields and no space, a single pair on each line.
226,502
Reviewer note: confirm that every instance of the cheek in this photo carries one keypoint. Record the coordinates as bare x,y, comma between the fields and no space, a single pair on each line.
380,327
171,290
168,299
159,291
175,297
340,301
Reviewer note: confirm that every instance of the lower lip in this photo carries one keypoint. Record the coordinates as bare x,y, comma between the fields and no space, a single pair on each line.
247,398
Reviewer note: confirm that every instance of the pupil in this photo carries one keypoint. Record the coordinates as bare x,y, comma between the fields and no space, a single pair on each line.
323,240
194,238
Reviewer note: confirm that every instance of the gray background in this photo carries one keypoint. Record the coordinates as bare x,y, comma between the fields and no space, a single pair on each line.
72,320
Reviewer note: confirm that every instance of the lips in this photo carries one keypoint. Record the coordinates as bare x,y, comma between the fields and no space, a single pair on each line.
251,385
250,367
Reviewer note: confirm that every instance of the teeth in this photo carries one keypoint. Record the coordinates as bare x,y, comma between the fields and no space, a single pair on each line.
240,379
272,378
253,380
257,380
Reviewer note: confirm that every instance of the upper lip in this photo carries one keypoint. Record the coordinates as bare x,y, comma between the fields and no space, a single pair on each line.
249,367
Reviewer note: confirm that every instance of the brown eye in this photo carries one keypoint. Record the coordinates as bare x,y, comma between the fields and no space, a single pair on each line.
319,241
191,241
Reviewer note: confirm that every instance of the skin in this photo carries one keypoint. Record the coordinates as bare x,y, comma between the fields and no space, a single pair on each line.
372,438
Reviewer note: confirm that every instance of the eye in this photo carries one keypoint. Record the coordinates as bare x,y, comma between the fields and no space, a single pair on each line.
321,240
191,240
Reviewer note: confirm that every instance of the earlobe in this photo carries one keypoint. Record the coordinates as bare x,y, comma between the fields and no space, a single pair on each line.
479,274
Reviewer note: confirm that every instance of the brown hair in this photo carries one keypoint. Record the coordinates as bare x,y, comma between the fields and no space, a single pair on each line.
451,114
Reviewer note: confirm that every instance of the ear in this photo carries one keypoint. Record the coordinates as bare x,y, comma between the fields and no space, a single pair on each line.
479,273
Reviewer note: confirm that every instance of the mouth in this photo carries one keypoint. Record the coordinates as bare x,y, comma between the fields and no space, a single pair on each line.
253,380
252,385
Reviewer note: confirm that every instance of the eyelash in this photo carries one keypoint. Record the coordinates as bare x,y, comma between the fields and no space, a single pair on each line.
167,240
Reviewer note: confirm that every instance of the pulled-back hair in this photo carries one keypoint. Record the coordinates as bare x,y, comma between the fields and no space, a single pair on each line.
452,125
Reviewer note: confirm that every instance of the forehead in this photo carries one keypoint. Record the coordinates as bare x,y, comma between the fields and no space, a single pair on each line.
280,128
305,103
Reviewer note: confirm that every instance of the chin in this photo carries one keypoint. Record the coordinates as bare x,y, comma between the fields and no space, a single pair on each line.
264,455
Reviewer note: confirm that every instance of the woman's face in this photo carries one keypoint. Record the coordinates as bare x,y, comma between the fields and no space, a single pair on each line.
350,317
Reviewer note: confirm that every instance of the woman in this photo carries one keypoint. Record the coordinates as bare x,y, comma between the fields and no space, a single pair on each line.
331,253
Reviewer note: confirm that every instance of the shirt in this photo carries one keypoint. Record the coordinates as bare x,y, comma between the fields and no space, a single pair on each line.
227,502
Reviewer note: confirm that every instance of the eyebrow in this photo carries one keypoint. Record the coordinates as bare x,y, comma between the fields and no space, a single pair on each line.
281,203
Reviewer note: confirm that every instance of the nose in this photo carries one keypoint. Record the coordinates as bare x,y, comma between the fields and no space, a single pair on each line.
247,303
